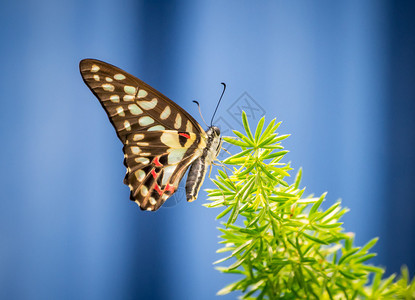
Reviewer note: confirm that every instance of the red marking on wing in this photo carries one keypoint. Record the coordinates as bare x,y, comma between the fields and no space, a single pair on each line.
158,190
169,188
154,174
185,135
156,162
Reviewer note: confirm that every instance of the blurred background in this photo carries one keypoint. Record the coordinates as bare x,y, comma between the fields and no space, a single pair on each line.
339,74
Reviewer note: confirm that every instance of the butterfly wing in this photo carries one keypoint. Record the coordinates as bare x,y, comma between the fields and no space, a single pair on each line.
154,173
160,139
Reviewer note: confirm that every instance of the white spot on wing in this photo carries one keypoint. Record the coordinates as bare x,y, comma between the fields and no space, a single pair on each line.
166,113
120,111
108,87
156,128
108,79
144,190
148,104
189,127
138,137
178,121
135,150
96,77
134,109
119,77
176,155
140,175
128,98
130,90
168,171
170,140
127,125
115,98
145,121
152,201
142,160
142,94
94,68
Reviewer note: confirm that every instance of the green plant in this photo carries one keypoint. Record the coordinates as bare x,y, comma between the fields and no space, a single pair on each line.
282,244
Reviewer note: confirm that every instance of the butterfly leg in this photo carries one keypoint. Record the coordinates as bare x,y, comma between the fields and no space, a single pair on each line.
210,168
224,149
221,164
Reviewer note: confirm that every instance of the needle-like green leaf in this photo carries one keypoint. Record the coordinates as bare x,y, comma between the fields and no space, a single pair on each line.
283,245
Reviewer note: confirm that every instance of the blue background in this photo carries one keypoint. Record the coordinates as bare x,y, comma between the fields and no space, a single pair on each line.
339,74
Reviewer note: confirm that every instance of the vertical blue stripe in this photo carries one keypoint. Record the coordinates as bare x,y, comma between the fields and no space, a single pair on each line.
400,167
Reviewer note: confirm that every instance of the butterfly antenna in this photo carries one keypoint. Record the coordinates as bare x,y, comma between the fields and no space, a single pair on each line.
200,112
223,92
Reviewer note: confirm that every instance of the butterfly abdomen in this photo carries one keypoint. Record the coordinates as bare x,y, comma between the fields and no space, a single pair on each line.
199,167
195,178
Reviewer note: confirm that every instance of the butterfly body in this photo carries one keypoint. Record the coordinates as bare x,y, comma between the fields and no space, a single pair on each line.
199,167
161,140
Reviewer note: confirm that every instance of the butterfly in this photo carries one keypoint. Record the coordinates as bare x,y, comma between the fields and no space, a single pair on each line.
160,139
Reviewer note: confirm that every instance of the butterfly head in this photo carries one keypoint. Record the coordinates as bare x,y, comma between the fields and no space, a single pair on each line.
216,130
214,141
